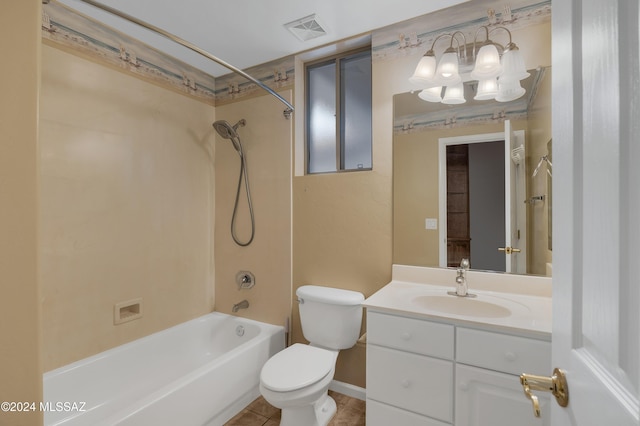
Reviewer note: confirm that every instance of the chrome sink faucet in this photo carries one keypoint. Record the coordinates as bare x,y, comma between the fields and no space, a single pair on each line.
462,287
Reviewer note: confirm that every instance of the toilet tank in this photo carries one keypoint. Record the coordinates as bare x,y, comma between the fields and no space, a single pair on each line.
330,317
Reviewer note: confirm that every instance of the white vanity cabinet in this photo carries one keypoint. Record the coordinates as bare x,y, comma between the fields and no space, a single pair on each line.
488,389
422,372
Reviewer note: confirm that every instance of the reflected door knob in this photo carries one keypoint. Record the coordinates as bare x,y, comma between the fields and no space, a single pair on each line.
509,250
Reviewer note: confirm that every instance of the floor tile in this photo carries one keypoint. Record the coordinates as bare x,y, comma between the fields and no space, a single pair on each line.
351,412
247,418
262,407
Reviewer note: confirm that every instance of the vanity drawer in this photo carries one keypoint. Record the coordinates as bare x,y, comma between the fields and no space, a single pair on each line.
413,382
408,334
510,354
379,414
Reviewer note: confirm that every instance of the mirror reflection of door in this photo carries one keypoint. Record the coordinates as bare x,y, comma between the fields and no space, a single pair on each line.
482,195
476,204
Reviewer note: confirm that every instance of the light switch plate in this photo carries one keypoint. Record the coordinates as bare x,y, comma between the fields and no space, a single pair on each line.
430,223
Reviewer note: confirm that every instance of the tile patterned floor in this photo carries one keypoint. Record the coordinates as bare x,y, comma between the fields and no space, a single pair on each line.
351,412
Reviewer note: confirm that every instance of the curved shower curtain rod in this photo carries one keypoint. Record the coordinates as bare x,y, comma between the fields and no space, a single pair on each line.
190,46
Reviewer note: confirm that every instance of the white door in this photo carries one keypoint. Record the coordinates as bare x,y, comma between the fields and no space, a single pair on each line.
514,201
596,188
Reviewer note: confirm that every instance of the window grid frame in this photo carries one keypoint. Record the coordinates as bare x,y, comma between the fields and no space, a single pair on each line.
339,140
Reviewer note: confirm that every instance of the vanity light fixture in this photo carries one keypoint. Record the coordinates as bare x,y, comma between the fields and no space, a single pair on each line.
433,94
430,74
487,89
454,94
497,68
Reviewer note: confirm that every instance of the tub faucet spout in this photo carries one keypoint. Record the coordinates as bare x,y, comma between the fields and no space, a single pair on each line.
240,305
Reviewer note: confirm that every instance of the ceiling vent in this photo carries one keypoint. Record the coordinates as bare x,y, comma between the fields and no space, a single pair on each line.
306,28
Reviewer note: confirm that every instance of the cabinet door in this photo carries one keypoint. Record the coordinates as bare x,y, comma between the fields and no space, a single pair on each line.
485,397
412,382
379,414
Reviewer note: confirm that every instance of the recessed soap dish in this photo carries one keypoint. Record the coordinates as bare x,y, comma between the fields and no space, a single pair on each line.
126,311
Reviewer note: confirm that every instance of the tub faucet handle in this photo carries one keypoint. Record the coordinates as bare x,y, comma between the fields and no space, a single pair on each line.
245,280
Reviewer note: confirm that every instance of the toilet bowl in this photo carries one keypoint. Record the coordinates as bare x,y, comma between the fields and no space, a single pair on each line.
297,378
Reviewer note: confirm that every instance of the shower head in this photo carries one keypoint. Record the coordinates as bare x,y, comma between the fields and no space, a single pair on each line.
228,131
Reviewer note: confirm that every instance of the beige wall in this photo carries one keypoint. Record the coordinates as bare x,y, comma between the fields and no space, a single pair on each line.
267,145
126,211
342,228
342,223
342,238
20,349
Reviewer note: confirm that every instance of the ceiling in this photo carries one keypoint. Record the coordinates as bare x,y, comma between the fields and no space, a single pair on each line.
246,33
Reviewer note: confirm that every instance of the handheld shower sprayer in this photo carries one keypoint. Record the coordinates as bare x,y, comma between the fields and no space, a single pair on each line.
227,131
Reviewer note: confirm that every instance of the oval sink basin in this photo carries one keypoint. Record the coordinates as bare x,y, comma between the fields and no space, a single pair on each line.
465,306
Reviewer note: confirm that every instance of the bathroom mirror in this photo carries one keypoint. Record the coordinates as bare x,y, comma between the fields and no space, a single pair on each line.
431,139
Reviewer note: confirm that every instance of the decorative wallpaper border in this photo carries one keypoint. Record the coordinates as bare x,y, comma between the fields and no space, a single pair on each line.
65,27
68,28
459,116
275,74
408,37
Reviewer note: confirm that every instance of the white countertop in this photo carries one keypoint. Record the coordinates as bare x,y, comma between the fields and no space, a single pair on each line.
524,309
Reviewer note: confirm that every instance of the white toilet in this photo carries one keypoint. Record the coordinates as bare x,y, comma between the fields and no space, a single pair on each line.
297,379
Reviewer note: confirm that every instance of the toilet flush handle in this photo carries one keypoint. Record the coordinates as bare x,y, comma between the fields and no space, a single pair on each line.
300,300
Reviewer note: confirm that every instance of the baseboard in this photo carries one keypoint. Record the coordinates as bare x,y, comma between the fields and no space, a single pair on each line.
348,389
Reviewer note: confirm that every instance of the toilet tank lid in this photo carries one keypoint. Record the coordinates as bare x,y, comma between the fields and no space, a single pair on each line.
335,296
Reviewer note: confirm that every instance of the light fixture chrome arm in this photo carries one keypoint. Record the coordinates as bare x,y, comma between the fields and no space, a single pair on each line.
511,44
453,38
189,46
461,47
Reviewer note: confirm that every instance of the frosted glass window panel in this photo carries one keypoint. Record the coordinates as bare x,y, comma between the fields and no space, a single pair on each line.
321,142
356,112
338,121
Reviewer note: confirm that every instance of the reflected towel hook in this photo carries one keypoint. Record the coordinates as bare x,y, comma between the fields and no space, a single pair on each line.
543,159
535,198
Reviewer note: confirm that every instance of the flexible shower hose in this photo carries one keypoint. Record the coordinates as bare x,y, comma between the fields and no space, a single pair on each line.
243,173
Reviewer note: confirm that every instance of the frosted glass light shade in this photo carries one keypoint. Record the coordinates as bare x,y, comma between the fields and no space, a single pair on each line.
487,63
509,90
487,89
513,66
431,95
447,71
425,71
454,95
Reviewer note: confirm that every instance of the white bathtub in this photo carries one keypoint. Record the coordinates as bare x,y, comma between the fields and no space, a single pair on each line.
201,372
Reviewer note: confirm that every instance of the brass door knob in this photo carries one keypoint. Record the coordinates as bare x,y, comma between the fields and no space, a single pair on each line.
509,250
556,384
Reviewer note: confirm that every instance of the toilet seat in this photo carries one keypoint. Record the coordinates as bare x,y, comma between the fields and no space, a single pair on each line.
296,367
